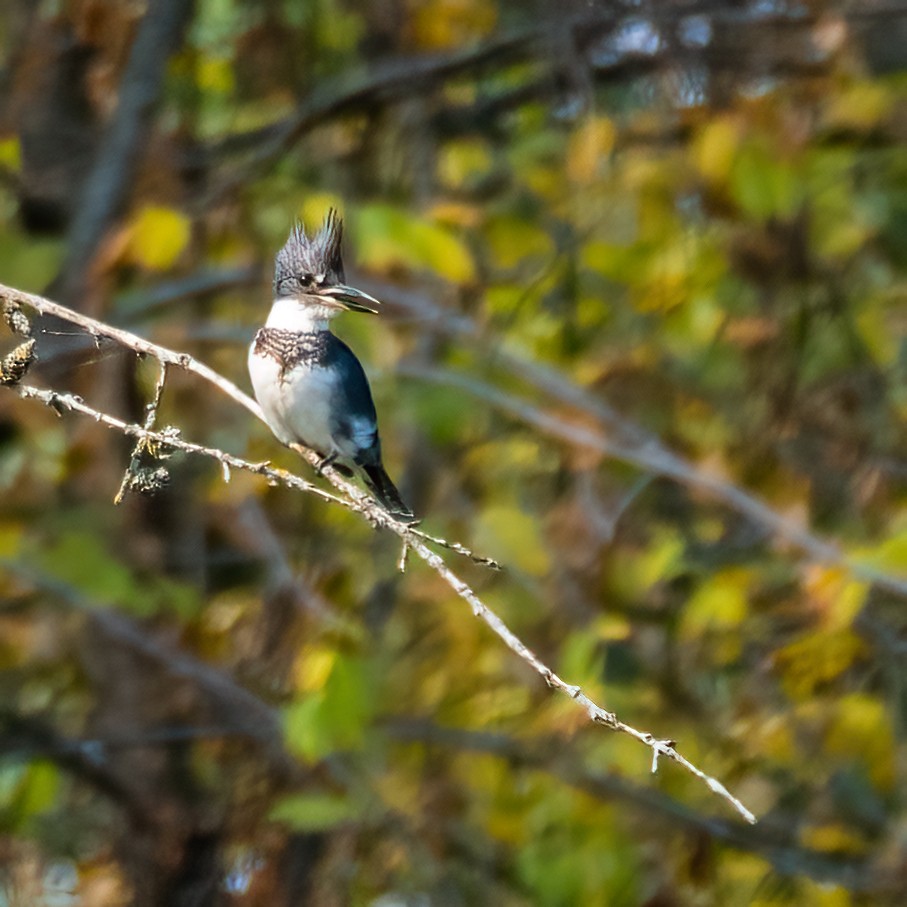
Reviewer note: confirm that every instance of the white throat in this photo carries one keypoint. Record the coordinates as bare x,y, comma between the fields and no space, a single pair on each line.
289,314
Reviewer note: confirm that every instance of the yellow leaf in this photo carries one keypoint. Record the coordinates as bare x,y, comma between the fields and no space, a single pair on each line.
890,555
636,571
719,603
715,149
463,161
157,237
457,214
817,658
515,537
862,731
613,627
312,667
859,107
832,838
315,206
388,238
836,595
214,74
11,154
876,332
443,24
10,539
510,240
588,147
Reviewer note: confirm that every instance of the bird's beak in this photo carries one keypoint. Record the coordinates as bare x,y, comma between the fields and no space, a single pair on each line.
351,299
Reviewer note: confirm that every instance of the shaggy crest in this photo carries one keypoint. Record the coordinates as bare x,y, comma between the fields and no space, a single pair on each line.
310,262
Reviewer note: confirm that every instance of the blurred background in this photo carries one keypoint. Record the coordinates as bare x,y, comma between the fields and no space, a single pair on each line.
643,274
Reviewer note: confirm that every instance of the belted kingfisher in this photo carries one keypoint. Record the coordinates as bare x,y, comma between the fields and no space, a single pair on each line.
309,383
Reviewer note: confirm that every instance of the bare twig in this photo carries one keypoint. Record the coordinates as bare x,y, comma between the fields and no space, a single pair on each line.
357,500
98,329
135,477
61,402
658,460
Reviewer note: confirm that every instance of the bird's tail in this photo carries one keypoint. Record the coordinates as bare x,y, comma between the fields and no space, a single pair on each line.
385,492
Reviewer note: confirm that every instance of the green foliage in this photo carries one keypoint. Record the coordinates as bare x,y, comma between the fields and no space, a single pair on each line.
389,238
315,812
84,563
336,711
27,792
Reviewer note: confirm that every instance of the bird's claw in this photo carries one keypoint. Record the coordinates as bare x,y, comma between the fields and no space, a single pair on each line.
326,461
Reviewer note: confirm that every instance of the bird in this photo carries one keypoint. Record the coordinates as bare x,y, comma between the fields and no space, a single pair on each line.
310,385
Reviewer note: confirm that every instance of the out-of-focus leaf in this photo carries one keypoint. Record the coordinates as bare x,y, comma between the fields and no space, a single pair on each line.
858,106
582,660
862,731
11,154
457,214
27,262
304,728
513,537
636,571
313,667
841,219
463,162
891,554
817,658
833,837
445,414
316,206
157,237
589,148
510,240
81,560
876,331
10,539
388,238
764,184
560,873
720,604
35,791
315,812
715,148
838,596
214,74
336,716
442,24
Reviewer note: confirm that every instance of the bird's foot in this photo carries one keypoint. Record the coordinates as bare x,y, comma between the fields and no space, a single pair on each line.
329,460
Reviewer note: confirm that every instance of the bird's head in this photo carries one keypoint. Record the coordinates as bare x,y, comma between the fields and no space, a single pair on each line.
309,270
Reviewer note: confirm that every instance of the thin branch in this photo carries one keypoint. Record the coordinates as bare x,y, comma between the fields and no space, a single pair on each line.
98,329
618,437
105,191
135,476
595,713
360,501
61,402
656,459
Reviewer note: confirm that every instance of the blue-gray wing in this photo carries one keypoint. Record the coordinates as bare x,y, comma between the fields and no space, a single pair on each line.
355,427
355,423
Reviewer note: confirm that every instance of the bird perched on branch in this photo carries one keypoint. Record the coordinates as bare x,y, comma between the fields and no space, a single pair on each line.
309,383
